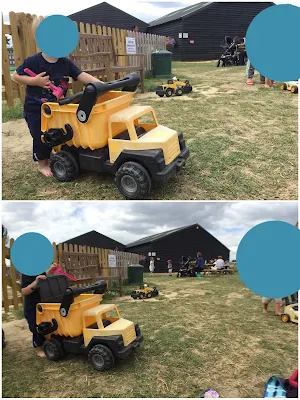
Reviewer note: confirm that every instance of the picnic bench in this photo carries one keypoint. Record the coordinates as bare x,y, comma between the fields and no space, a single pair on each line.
96,55
217,272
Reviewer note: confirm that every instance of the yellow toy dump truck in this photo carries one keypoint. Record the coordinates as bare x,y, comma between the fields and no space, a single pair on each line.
103,133
75,322
144,292
291,309
292,86
174,86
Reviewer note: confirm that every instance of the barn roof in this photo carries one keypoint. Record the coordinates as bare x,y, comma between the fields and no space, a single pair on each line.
153,238
93,234
98,7
182,13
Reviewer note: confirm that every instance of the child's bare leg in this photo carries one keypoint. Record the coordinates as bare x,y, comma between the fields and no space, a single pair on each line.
268,83
44,168
265,308
40,352
277,308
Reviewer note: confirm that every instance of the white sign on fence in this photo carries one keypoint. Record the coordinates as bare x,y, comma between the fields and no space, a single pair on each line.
112,261
179,35
130,45
185,35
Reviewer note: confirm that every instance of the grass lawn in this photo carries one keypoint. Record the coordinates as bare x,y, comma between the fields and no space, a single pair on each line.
198,334
243,143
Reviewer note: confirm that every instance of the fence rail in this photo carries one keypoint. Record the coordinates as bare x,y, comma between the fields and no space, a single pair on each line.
24,45
11,278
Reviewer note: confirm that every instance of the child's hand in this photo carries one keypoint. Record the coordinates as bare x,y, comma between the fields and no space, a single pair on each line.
43,277
41,81
52,267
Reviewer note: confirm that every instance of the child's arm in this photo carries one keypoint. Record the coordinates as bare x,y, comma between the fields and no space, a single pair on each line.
87,78
38,80
28,289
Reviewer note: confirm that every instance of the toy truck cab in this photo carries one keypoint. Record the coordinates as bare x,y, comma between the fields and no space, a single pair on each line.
292,86
74,322
104,134
291,309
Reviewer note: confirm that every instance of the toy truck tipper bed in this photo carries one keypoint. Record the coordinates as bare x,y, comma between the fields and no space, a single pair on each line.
103,133
75,322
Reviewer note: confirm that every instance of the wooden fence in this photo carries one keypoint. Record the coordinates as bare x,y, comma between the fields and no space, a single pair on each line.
11,279
24,45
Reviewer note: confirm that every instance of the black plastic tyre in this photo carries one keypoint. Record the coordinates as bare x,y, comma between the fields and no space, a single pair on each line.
149,295
179,92
284,86
169,92
64,166
228,63
294,89
141,296
133,180
101,357
53,349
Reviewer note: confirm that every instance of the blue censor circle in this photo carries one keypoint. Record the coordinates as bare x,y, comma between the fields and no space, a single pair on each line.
57,36
272,42
267,259
32,254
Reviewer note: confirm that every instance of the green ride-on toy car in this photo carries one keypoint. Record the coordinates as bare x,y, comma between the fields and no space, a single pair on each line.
144,292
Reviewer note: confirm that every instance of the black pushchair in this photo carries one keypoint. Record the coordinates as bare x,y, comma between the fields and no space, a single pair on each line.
231,55
187,269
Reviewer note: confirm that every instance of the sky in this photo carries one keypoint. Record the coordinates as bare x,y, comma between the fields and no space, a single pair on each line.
147,11
127,221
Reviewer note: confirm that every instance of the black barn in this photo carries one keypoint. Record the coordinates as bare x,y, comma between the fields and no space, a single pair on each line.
96,239
109,16
206,25
176,244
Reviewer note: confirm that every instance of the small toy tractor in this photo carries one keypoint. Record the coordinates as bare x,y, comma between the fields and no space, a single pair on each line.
291,309
75,322
174,86
292,86
103,133
144,292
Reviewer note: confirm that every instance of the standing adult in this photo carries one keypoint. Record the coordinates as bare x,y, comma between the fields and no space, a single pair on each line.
199,263
151,266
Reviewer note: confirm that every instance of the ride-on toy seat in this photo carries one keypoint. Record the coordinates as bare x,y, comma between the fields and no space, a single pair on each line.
97,130
74,321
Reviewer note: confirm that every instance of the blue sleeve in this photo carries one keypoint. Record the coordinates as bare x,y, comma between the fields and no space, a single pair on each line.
74,71
27,63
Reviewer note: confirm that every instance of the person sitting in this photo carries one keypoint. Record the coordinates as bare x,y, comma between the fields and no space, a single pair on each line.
219,264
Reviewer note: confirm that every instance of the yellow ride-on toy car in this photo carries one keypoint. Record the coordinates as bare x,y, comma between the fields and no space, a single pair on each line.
174,86
144,292
291,309
103,133
75,322
292,86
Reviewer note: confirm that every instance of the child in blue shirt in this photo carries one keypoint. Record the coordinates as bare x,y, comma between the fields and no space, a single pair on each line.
48,70
31,299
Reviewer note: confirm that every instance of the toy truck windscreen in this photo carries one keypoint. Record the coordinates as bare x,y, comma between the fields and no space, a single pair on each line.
142,136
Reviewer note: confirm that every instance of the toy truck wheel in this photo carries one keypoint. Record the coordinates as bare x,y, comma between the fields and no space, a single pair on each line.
133,180
64,166
179,92
294,89
284,86
161,95
53,349
149,295
285,318
141,296
101,357
169,92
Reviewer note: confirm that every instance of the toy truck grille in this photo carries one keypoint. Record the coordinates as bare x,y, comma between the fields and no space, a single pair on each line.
129,335
173,150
